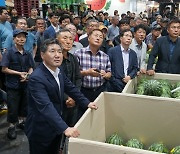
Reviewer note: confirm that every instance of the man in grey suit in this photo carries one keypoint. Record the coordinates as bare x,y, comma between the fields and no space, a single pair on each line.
167,48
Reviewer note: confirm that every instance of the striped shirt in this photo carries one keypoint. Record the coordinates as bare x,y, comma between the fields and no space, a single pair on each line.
87,60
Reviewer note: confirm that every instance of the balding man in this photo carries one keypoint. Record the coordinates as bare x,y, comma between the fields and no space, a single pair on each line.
113,30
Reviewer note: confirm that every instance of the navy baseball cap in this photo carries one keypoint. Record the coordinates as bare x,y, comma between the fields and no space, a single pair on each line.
156,27
18,31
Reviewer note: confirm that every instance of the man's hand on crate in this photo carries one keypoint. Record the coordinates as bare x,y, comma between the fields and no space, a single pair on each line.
150,72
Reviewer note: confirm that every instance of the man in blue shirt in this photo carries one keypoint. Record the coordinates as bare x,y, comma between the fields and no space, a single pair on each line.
31,41
17,64
5,27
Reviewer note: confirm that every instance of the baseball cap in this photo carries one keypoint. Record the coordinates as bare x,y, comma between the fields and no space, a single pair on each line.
76,16
156,27
103,27
18,31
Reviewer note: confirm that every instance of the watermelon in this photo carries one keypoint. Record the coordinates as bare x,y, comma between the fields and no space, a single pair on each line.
176,94
175,150
135,143
96,4
158,147
153,88
115,139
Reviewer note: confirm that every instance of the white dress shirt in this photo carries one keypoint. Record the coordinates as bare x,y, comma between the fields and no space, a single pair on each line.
125,55
55,74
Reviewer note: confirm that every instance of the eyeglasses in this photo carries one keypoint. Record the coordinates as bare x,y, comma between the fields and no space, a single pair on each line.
128,36
93,26
100,36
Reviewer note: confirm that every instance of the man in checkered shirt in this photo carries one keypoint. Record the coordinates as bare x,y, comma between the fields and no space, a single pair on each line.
95,66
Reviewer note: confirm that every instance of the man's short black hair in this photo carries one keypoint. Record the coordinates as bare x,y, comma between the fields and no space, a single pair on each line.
124,21
140,26
63,17
2,8
50,15
124,31
174,20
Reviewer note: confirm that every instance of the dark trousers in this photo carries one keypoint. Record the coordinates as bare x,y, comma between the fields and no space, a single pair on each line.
17,104
3,96
91,94
70,115
52,147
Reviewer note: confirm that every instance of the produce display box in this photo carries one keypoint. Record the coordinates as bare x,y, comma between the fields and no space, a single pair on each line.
131,116
131,86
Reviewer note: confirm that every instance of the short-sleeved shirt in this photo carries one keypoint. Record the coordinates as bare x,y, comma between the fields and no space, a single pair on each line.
31,41
87,60
149,39
14,60
112,32
4,32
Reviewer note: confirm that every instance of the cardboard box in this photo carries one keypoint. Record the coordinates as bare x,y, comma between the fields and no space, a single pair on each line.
131,116
131,86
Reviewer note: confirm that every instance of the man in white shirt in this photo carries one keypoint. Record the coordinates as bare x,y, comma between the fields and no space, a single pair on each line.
139,46
51,31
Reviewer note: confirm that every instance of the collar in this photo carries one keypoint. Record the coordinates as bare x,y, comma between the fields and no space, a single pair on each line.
74,44
55,74
68,57
55,28
87,49
169,39
136,44
14,49
123,50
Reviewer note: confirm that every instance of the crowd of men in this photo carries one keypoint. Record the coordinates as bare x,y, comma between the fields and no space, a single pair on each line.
50,64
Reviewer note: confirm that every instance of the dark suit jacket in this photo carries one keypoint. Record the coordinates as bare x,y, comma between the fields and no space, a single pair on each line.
162,50
84,42
44,120
117,68
49,33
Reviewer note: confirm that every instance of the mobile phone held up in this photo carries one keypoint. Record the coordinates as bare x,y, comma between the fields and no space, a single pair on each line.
97,70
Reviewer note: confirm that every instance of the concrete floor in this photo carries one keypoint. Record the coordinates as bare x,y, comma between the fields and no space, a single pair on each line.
17,146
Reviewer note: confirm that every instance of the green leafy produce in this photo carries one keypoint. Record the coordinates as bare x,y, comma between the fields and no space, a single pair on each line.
158,147
175,150
115,139
135,143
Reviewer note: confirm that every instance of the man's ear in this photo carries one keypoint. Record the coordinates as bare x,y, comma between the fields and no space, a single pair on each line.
42,55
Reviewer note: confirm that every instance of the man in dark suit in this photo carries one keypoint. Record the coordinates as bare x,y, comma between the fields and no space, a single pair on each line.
51,31
124,64
167,49
46,88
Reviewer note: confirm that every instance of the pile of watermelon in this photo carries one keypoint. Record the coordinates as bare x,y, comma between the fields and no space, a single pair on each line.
135,143
160,88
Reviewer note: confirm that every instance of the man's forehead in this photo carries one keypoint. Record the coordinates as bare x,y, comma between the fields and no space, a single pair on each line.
53,46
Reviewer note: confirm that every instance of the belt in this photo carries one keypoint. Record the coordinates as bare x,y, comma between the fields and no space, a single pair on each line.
93,89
